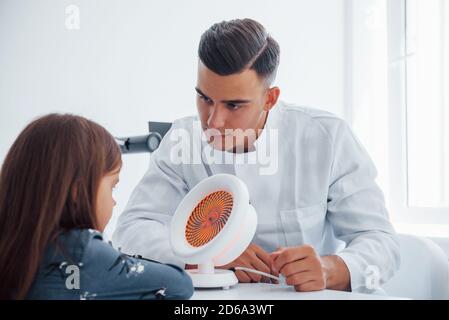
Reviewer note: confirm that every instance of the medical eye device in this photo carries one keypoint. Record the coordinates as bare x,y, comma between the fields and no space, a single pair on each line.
211,227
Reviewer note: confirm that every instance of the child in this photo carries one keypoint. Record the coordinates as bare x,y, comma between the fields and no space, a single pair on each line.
55,191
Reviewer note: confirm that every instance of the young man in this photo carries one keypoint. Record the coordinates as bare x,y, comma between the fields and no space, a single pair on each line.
322,221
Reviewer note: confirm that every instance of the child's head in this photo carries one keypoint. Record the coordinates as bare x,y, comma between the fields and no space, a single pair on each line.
58,175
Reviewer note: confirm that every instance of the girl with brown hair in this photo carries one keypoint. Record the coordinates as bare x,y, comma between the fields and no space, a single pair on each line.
55,200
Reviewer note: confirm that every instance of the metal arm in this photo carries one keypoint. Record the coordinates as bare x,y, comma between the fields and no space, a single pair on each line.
145,143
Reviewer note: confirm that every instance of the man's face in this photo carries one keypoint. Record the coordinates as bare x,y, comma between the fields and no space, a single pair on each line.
226,103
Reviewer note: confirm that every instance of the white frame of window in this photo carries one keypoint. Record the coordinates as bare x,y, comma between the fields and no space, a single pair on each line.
400,210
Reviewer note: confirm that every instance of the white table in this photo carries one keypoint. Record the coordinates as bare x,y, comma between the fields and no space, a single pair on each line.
266,291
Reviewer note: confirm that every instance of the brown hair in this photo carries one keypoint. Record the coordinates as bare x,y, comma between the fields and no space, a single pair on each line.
229,47
48,184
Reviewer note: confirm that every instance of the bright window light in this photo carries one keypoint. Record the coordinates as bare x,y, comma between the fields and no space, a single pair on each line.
427,105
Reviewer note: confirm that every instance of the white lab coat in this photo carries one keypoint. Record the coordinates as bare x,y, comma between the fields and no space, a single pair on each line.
323,193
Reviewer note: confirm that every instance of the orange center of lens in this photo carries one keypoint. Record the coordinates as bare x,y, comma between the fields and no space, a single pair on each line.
208,218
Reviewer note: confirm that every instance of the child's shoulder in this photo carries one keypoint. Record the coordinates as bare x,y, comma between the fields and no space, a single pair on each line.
72,246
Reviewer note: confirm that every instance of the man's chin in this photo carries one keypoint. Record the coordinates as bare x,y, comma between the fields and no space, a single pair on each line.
220,146
227,147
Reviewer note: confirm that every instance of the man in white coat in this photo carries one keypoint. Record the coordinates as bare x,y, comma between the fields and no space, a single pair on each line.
322,221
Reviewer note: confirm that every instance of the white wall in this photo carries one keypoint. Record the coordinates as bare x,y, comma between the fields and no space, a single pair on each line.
133,61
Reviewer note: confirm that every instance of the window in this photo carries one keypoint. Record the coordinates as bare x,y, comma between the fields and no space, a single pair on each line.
397,97
427,102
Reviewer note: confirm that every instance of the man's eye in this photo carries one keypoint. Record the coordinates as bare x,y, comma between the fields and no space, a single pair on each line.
207,100
233,106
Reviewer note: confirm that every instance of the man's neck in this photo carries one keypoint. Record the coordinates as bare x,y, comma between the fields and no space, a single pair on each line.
249,146
262,125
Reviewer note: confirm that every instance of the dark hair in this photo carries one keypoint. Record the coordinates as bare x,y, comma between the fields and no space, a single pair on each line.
48,184
230,47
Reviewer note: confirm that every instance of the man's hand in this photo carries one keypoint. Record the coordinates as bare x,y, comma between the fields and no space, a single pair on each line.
253,257
304,269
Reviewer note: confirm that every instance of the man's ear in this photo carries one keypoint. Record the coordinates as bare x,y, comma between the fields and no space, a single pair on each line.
271,98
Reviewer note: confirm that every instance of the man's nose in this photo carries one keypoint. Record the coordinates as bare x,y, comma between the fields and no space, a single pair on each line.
217,118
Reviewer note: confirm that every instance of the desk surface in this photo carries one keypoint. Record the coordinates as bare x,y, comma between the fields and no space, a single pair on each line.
265,291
